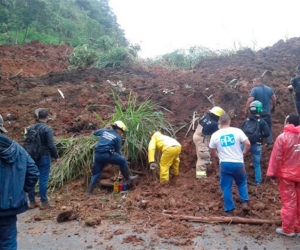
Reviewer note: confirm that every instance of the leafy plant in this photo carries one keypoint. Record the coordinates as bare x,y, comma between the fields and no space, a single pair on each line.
76,156
116,57
141,120
83,56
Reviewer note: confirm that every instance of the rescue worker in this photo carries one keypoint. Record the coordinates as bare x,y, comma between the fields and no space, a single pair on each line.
108,150
284,164
225,144
295,87
18,174
263,130
170,150
208,124
265,95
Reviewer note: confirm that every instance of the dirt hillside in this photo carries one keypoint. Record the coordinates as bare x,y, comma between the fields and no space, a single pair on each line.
31,75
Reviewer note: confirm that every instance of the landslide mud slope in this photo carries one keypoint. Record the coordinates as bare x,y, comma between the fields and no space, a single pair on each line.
31,75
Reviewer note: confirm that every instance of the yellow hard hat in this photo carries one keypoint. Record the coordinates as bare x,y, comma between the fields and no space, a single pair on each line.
120,125
217,111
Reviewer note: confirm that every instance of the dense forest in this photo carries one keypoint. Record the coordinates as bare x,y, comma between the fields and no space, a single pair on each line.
89,26
76,22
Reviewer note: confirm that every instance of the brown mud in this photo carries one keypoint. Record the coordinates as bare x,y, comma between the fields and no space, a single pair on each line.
31,75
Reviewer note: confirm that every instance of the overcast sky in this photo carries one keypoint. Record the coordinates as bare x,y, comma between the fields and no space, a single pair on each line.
162,26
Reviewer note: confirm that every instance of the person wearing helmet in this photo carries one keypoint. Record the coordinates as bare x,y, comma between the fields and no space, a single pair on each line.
208,124
170,150
108,150
255,128
265,95
295,87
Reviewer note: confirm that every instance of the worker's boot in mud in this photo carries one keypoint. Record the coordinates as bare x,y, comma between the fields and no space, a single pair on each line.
165,183
174,179
200,174
45,205
126,173
280,231
33,205
132,178
229,213
91,188
245,206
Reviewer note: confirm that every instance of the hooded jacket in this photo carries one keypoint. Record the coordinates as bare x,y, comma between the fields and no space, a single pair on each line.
160,142
18,174
284,161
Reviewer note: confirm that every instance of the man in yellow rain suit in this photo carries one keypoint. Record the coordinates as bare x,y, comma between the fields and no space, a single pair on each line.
170,150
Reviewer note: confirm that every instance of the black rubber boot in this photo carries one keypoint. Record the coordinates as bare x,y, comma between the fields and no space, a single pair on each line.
127,175
91,188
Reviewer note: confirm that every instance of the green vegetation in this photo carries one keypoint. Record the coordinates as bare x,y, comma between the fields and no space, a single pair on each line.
76,22
91,28
87,25
76,154
187,59
184,59
141,120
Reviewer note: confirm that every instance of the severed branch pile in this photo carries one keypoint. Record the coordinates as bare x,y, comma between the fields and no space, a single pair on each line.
220,219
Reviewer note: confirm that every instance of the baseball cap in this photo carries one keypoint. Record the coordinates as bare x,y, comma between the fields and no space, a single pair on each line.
1,125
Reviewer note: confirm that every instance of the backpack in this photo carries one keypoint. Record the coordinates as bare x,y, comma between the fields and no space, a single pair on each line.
251,127
33,142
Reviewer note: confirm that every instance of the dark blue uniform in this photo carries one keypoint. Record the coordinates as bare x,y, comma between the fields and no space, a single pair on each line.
108,150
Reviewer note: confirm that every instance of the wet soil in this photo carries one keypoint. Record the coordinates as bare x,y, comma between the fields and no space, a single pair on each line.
121,234
31,75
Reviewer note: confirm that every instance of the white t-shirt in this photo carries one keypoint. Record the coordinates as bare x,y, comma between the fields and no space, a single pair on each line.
228,142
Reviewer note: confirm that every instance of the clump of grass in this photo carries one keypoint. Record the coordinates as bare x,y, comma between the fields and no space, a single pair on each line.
141,120
76,156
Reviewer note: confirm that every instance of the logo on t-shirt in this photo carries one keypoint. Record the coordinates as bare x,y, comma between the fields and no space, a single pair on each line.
227,140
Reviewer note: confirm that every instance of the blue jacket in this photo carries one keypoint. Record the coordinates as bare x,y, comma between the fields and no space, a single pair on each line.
109,140
209,125
18,174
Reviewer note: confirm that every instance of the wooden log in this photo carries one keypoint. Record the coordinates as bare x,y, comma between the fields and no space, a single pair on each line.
223,219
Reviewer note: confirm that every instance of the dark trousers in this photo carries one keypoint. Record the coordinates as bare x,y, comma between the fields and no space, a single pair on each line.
298,106
44,167
268,120
8,232
101,159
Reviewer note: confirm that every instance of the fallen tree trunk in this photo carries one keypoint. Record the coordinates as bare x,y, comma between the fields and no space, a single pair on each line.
223,219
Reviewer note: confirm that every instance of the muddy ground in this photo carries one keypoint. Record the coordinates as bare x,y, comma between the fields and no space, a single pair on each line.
31,75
